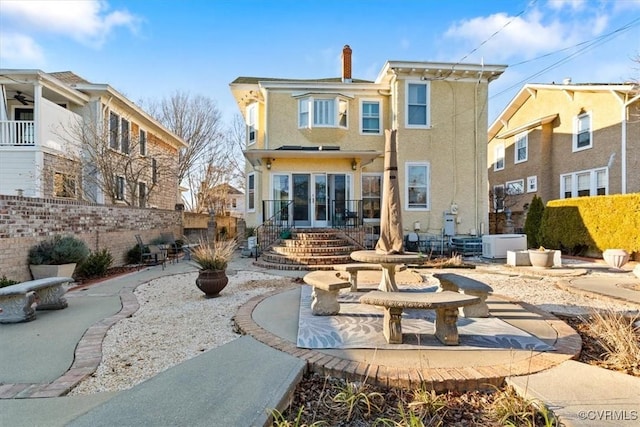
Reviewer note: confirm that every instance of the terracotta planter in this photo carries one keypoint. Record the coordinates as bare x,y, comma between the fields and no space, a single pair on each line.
615,258
43,271
211,282
541,259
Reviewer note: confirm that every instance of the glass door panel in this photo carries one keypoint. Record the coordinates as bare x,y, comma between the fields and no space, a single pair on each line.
301,184
320,200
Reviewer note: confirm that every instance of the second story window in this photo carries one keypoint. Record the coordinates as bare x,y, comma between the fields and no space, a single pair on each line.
498,164
114,124
124,140
142,141
251,124
322,112
370,117
582,138
522,148
417,97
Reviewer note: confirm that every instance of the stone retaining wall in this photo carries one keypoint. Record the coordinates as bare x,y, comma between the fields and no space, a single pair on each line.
25,221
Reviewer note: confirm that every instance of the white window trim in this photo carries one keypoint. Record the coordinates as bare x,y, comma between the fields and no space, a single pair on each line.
310,102
255,201
498,152
576,122
522,136
593,182
427,165
252,116
532,184
406,104
509,184
381,177
361,118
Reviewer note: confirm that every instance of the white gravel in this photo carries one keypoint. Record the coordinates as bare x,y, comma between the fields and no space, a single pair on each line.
175,323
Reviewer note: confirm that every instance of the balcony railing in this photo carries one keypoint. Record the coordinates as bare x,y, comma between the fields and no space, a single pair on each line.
17,132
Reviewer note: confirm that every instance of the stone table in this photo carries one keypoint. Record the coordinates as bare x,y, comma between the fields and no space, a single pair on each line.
388,264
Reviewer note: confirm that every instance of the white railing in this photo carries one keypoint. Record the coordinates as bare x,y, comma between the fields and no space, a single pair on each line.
17,132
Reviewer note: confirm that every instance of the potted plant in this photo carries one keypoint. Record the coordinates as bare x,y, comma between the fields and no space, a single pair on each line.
212,259
541,257
56,256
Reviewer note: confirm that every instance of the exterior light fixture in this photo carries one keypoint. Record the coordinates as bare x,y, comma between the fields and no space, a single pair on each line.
269,164
354,164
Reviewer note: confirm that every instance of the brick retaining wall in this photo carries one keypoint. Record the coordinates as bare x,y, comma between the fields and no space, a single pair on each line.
25,221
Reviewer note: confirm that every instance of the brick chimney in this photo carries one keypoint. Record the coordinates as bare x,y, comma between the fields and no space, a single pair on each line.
346,64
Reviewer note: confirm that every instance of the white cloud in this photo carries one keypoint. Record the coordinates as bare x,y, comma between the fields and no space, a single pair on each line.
570,4
18,47
86,21
529,35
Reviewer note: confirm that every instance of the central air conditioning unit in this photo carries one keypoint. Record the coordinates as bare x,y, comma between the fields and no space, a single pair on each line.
497,245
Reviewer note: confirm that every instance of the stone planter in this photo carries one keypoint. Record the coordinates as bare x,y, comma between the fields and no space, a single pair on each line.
43,271
636,271
541,259
211,282
615,258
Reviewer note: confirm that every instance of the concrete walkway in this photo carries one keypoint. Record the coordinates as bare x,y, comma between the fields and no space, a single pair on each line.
238,383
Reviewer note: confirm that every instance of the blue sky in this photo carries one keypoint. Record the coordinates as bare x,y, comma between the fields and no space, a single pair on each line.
148,49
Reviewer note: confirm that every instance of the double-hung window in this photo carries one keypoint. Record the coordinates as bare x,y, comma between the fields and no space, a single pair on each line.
498,165
251,192
322,112
498,198
582,137
142,142
594,182
417,108
417,186
114,125
251,124
124,139
521,148
142,194
120,188
370,117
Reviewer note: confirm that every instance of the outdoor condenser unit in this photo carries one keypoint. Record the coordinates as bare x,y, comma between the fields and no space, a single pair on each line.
497,245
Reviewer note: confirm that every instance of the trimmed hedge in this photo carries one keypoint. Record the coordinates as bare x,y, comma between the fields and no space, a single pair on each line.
589,225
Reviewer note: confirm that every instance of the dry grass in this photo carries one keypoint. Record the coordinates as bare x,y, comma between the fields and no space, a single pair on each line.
618,336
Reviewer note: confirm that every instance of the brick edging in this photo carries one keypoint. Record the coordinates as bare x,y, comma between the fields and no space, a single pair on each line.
439,379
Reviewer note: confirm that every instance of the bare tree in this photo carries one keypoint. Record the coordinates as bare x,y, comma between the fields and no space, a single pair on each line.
197,120
116,163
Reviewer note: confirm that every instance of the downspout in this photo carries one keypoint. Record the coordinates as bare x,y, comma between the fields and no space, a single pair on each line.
478,226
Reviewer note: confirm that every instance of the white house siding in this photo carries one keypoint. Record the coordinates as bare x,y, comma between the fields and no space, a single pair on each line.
17,171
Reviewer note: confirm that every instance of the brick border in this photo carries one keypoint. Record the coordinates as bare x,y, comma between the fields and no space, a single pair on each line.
459,379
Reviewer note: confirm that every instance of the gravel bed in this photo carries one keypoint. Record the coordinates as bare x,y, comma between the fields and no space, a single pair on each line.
161,334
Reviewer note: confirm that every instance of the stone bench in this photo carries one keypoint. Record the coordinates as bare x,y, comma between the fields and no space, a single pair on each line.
16,301
455,283
352,271
326,285
445,304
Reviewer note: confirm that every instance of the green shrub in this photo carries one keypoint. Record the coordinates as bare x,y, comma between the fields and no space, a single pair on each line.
134,255
533,222
96,264
592,224
58,250
6,282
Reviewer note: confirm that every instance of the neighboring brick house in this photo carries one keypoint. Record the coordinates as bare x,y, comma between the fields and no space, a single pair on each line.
41,145
565,140
316,146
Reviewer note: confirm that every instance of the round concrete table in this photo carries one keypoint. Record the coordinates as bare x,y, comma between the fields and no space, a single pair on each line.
388,264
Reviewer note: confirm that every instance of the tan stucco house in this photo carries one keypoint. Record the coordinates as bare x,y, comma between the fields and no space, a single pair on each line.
49,122
565,140
315,147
